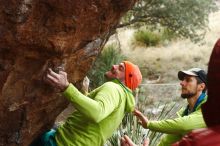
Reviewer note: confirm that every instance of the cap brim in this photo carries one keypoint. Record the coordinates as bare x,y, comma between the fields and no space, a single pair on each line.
182,74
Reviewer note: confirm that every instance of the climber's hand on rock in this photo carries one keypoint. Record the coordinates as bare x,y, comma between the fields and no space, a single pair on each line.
58,80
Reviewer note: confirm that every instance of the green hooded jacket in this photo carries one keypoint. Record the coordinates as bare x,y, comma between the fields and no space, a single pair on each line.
98,114
175,129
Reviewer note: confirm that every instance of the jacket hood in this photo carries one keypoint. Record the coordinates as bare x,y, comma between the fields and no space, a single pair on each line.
130,101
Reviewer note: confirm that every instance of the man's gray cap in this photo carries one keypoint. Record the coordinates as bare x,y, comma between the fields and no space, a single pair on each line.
197,72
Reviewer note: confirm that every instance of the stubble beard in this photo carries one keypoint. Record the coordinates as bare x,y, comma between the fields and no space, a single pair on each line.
188,95
109,75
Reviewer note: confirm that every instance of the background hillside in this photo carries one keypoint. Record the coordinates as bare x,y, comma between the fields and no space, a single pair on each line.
166,59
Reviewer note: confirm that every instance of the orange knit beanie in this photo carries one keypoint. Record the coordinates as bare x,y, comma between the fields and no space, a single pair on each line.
133,75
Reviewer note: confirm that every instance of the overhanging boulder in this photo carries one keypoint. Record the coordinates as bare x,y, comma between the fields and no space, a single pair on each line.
35,35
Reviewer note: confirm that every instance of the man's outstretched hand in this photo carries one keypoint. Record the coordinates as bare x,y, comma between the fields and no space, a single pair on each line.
141,117
126,141
57,80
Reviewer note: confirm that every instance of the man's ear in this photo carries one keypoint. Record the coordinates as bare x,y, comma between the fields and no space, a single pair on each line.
202,86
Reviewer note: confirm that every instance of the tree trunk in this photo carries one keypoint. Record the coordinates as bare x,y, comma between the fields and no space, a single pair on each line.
35,35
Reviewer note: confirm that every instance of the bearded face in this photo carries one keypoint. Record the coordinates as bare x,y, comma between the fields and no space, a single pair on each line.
116,72
190,87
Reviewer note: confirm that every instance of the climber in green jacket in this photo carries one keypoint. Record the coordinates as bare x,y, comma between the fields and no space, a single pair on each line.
99,113
193,83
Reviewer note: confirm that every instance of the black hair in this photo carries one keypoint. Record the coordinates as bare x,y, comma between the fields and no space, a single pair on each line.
199,81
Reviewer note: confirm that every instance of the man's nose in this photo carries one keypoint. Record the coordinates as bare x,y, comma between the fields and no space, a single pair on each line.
113,67
182,82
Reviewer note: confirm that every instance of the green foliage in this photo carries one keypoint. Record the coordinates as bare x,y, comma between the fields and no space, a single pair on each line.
147,38
109,56
185,18
151,38
167,34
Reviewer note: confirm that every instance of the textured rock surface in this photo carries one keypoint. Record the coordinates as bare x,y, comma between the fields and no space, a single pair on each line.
35,35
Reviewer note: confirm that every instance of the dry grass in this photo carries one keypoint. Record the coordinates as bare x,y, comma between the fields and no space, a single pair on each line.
166,60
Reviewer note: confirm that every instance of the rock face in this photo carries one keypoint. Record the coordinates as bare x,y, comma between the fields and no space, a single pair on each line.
35,35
